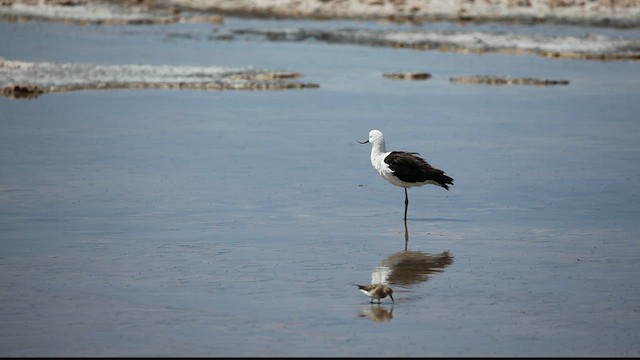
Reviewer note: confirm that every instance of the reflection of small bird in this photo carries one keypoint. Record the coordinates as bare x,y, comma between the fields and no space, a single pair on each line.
376,291
403,169
377,313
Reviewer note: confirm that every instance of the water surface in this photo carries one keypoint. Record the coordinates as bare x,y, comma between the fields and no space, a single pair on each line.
208,223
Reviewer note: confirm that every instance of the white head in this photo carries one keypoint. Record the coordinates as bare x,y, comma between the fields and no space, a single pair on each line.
378,148
375,138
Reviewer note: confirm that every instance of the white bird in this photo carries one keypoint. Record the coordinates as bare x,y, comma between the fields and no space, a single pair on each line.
403,169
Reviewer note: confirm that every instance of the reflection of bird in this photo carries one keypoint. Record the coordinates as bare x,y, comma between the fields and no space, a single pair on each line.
410,267
377,313
376,291
403,169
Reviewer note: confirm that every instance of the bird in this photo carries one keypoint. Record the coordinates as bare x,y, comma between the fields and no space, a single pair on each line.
402,168
376,291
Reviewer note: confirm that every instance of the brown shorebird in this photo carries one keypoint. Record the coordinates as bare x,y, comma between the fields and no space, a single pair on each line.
376,291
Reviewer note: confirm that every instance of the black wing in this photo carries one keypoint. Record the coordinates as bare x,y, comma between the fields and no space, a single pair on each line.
411,168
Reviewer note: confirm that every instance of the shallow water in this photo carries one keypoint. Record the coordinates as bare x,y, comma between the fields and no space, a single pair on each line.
190,223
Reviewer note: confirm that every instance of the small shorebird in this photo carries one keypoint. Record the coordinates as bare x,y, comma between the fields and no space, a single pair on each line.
376,291
403,169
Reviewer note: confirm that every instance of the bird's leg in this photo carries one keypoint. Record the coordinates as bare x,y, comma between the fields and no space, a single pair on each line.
406,235
406,203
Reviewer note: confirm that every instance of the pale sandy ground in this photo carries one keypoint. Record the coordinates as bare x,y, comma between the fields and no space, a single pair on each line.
596,12
612,12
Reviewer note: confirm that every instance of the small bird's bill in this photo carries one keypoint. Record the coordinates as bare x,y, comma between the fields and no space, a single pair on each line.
361,142
391,296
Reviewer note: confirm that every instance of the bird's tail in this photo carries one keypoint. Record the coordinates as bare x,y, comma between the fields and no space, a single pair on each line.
445,181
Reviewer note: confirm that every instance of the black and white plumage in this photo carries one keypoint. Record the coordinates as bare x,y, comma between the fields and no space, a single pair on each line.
404,169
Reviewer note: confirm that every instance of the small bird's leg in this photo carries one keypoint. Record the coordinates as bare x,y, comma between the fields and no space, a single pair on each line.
406,203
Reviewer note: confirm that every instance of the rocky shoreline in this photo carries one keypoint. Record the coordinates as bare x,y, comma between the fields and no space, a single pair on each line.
609,13
614,13
595,12
588,47
28,80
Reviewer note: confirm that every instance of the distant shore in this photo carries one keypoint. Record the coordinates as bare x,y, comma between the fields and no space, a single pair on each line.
609,13
28,80
595,12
